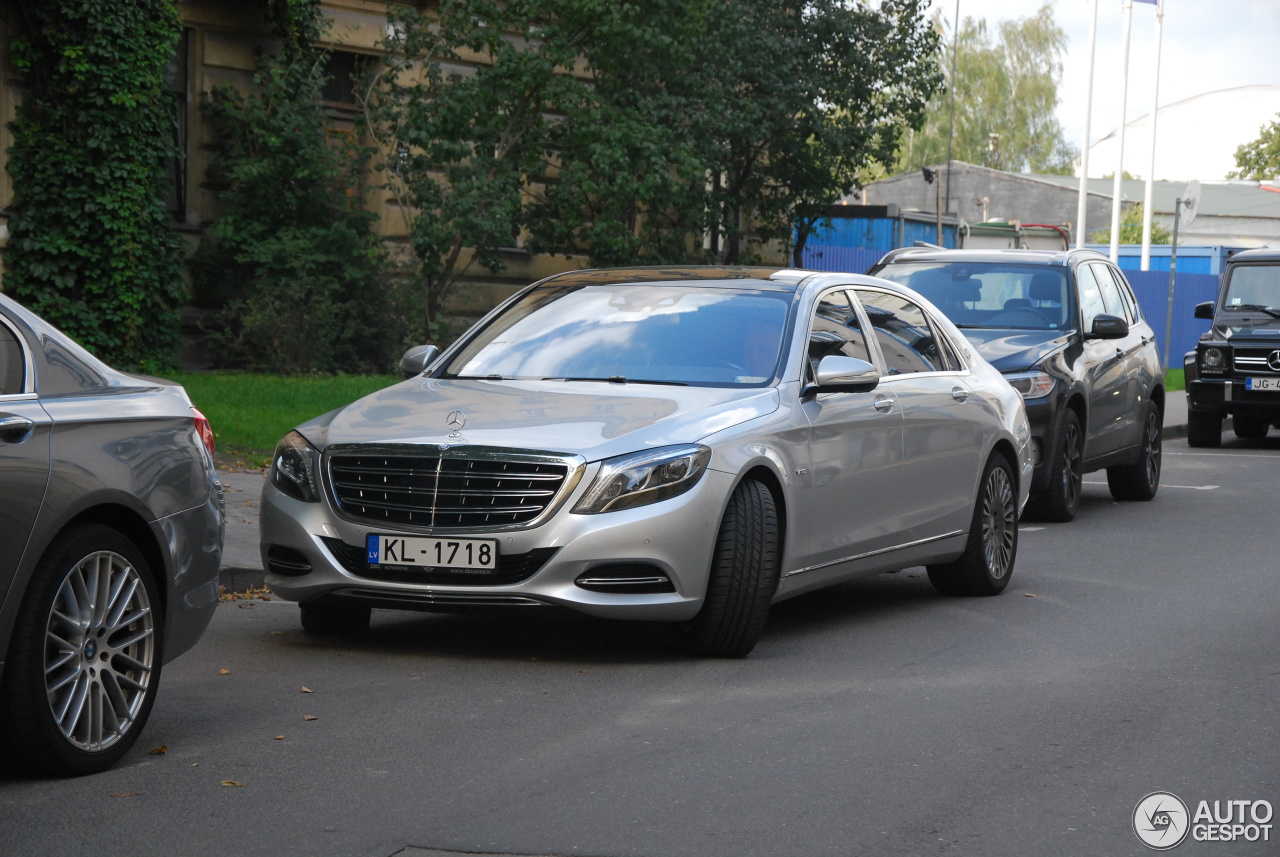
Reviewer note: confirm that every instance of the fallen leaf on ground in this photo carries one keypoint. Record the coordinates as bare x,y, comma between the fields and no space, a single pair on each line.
224,671
306,689
195,764
232,783
1028,594
159,751
309,717
126,794
279,737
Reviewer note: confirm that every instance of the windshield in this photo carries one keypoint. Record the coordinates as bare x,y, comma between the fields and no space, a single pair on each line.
990,294
1253,287
635,333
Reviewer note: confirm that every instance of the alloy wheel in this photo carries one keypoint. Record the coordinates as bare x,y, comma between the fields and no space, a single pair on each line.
999,523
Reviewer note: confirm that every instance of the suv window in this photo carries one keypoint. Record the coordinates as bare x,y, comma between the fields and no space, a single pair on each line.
1110,290
1005,295
1253,286
904,333
1091,300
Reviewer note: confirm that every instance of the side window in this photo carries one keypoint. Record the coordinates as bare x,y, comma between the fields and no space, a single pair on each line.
836,330
1132,312
906,338
11,371
1091,302
1110,291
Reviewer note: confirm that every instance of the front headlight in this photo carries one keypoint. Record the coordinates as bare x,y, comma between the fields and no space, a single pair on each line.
1031,385
645,477
294,468
1212,360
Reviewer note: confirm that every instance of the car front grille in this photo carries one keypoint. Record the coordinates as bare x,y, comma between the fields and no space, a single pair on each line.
460,488
1253,360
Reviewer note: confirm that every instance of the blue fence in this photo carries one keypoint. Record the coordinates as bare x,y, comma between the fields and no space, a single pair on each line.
1151,287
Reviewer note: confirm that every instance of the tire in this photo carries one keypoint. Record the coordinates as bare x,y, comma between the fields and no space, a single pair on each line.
1141,480
329,615
988,559
1060,500
1250,427
1204,430
84,664
743,579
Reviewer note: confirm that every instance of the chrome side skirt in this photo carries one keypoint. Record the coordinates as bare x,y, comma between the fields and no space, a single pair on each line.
869,554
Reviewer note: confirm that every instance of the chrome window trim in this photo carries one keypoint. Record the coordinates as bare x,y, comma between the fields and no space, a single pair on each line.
575,466
869,554
957,349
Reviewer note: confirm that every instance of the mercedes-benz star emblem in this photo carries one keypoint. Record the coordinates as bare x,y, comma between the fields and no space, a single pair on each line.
1273,360
455,421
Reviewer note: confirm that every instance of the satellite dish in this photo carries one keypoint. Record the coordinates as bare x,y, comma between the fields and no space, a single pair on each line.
1191,201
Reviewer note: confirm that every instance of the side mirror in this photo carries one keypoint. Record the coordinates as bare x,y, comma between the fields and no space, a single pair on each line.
416,360
1205,310
1109,327
839,374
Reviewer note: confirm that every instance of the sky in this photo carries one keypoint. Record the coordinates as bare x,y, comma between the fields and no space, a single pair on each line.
1206,45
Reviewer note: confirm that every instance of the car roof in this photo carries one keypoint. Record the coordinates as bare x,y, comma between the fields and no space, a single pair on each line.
1262,254
991,256
731,277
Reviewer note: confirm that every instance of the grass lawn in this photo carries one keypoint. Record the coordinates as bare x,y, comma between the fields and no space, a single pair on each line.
250,412
1175,379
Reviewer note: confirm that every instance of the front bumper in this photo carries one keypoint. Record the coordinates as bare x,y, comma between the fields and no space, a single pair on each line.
1227,396
674,537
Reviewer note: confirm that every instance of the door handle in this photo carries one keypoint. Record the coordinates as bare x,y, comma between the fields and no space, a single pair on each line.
883,404
960,394
15,429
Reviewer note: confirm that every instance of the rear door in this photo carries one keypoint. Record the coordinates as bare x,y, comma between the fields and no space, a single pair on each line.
24,451
1105,367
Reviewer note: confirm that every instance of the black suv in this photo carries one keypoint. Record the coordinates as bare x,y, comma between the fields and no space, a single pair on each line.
1066,331
1235,368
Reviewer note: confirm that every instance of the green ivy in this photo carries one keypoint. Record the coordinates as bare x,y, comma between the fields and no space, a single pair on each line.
91,245
291,255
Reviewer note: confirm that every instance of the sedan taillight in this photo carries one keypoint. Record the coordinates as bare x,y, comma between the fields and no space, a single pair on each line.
204,430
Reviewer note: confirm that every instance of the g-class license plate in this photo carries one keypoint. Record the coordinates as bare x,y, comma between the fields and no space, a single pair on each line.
476,554
1262,384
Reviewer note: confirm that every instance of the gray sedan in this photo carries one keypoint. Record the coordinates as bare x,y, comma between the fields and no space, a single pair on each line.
677,445
112,519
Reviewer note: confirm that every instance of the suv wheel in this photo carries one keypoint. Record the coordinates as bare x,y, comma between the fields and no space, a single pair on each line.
1060,500
1140,480
1250,427
1204,430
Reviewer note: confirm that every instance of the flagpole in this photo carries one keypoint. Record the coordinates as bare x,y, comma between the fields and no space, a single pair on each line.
1124,109
1082,205
1147,212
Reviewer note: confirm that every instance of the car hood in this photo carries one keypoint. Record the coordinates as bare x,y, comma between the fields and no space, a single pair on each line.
1015,350
593,419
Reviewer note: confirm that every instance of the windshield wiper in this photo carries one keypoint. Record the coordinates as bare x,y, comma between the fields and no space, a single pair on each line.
1255,308
619,379
493,377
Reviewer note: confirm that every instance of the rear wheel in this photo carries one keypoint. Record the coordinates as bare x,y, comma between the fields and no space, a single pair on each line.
744,576
987,562
84,663
1204,430
1140,480
1250,427
329,615
1060,499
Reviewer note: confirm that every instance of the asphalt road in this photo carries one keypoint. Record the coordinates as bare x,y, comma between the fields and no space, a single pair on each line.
1135,651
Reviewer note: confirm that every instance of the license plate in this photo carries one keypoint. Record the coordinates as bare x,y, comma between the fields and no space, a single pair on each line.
1262,384
472,554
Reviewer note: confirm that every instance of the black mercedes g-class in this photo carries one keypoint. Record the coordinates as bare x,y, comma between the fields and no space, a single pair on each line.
1235,369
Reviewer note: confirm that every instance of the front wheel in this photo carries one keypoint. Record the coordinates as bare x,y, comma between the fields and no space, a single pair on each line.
1140,480
1204,430
85,660
1060,499
744,576
987,562
1248,427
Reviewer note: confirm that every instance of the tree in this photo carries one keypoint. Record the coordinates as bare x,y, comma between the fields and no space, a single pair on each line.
1260,159
1005,92
1131,229
92,246
291,252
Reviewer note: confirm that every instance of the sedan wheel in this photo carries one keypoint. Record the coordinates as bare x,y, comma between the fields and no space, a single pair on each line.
987,562
1140,480
85,660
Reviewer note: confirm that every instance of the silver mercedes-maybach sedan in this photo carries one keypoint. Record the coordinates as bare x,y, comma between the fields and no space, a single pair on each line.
679,445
